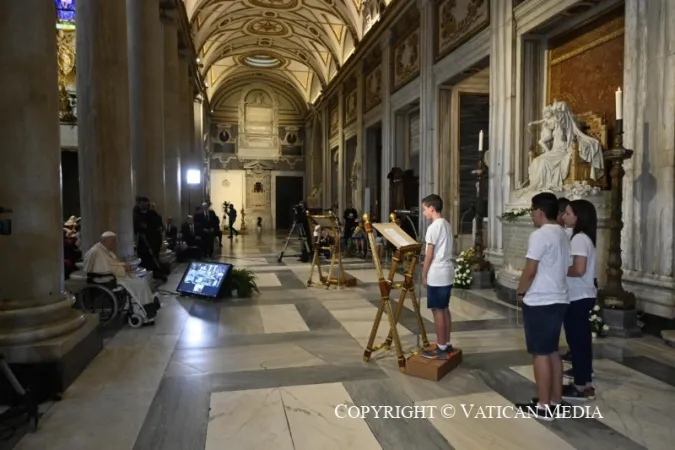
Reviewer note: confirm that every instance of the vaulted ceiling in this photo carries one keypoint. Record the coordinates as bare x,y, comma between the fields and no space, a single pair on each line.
294,44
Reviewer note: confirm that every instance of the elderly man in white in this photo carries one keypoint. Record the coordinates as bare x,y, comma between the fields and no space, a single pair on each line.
101,259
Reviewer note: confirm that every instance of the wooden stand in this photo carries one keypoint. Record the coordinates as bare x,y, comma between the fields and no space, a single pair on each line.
341,278
405,245
433,369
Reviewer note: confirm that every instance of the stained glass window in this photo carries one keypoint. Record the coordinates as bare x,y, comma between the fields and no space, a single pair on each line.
65,14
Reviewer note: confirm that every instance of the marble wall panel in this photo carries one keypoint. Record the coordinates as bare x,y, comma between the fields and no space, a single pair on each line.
457,21
373,94
406,55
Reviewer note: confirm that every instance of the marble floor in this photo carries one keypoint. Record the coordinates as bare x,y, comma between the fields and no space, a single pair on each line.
269,372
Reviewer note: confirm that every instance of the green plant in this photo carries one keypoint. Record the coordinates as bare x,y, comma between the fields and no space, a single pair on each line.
243,280
463,276
514,214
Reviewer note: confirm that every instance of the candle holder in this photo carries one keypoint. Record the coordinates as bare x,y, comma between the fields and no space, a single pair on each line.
482,269
243,229
618,304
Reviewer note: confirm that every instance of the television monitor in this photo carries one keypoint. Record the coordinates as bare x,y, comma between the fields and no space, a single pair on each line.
205,279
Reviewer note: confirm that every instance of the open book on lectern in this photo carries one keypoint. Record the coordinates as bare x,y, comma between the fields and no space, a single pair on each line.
398,238
325,222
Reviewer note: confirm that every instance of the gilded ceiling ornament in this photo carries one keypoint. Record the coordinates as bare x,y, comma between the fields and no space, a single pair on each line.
65,41
267,27
275,4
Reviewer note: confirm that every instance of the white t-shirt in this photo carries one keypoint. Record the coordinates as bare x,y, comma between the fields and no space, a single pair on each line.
551,247
583,287
442,271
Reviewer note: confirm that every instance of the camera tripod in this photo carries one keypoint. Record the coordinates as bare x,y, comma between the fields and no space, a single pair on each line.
299,229
26,402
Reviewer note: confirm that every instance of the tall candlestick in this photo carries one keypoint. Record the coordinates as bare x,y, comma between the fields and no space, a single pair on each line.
619,104
480,141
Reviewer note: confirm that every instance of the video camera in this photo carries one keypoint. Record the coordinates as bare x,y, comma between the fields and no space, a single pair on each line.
5,224
300,212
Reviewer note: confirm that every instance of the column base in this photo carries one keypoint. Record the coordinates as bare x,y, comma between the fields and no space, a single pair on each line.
48,367
482,279
622,322
669,337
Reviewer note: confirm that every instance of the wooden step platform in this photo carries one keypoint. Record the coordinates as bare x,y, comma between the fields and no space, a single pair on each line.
347,280
432,369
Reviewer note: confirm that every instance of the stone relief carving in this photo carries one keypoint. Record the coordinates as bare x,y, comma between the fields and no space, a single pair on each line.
334,121
354,178
314,198
458,21
350,107
65,43
371,14
373,88
559,134
258,124
406,59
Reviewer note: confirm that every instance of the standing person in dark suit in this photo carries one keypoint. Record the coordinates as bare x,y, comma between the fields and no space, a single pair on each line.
214,221
203,219
232,218
147,228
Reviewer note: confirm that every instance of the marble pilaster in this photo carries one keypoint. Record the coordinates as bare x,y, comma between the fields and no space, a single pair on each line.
342,180
146,81
185,112
649,127
360,139
501,118
428,173
37,322
325,151
106,195
198,141
172,163
387,119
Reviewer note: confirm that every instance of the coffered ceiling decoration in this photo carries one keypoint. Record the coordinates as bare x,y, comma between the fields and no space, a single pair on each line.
302,42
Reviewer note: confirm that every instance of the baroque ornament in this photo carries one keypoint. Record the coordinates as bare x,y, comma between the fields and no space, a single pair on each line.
65,44
407,59
267,27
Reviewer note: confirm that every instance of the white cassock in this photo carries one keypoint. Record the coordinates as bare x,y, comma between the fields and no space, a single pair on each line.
101,260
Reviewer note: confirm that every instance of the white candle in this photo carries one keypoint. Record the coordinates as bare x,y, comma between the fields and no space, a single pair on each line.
480,141
619,104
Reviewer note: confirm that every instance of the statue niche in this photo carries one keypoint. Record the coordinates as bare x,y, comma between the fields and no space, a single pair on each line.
258,124
564,147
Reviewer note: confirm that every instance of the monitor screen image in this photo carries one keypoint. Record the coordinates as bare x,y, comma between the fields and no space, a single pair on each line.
204,278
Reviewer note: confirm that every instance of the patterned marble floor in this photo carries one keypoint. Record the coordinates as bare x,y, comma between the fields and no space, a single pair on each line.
268,372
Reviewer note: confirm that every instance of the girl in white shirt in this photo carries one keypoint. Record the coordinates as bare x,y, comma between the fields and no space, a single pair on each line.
581,217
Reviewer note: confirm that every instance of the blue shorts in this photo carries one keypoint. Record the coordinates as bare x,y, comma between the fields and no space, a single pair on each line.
542,327
438,297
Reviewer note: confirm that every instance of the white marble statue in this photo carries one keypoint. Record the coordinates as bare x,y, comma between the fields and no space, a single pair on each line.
559,131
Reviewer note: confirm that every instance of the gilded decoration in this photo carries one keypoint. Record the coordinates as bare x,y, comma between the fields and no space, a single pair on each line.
350,107
586,67
373,83
275,4
457,21
406,59
65,44
334,121
358,4
267,27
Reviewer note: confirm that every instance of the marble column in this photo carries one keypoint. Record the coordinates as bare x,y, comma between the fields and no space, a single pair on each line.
188,193
342,170
106,194
387,119
649,127
172,163
427,156
198,140
37,322
146,81
360,137
501,119
326,156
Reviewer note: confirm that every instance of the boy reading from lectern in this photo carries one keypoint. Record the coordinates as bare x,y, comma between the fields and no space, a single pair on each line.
438,274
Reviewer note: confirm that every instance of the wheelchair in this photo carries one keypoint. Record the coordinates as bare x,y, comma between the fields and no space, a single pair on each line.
108,299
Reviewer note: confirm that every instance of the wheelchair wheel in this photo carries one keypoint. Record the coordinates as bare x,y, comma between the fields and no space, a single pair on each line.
135,321
99,300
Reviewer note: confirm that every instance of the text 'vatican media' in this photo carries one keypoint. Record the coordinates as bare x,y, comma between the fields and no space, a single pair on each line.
466,410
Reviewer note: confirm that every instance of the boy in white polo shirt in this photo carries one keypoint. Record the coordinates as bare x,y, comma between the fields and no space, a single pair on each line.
544,294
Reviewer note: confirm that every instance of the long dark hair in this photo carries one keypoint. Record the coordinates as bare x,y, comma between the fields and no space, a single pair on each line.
587,219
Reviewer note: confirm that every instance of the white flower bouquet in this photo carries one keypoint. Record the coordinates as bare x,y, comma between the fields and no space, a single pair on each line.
598,327
463,276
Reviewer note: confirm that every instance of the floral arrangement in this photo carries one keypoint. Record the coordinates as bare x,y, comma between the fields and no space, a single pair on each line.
514,214
463,275
598,328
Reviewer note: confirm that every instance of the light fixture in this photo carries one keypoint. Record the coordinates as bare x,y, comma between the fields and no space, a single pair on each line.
193,176
262,61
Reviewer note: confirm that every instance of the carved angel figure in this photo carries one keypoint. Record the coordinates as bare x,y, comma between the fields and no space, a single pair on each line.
560,130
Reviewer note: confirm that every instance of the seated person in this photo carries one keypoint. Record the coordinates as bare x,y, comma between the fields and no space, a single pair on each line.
171,233
191,234
359,239
101,259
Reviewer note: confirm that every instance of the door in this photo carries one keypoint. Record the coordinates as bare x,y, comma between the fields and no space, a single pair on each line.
289,191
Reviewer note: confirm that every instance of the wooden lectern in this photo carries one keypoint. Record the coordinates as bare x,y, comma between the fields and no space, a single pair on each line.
328,222
405,246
